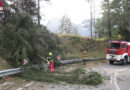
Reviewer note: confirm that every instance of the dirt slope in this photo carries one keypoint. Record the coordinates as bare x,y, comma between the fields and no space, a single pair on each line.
4,64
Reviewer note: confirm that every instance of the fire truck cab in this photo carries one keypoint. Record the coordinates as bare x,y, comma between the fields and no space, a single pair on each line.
118,51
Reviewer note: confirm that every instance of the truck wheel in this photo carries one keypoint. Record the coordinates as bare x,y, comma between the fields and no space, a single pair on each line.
124,61
111,61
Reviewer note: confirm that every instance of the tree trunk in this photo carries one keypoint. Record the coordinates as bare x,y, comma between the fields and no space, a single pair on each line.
38,13
91,22
109,21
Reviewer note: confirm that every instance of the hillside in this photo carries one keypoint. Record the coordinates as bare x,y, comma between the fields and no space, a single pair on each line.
75,45
72,47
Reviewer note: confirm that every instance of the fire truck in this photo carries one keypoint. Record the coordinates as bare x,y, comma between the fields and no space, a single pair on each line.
118,51
2,7
2,3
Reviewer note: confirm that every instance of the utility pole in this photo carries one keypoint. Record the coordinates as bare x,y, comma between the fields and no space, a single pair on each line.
109,20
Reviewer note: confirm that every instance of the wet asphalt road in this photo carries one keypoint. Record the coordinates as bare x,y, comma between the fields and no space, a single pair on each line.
117,78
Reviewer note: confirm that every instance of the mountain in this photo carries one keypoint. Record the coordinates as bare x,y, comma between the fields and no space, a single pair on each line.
82,29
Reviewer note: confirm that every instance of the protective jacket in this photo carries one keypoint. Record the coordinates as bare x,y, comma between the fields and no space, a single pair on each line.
84,56
49,58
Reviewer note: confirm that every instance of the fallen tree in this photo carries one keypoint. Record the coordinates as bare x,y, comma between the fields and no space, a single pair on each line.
79,60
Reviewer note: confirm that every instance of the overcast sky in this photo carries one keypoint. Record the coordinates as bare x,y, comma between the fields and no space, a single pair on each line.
77,10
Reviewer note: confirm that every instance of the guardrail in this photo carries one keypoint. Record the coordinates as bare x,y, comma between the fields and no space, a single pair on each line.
10,72
15,70
19,70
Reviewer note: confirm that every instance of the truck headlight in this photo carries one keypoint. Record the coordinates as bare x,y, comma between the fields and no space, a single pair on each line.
107,56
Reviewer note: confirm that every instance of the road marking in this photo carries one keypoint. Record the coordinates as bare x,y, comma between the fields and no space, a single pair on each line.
19,88
6,83
29,84
111,80
115,81
26,86
114,78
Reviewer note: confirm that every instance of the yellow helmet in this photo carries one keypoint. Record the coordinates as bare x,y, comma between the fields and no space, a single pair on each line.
50,53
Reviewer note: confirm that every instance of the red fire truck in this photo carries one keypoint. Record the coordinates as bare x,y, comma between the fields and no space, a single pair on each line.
118,51
2,3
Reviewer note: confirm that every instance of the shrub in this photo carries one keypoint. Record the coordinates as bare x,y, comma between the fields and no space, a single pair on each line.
93,78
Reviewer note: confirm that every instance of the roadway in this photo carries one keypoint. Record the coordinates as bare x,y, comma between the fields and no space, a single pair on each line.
116,77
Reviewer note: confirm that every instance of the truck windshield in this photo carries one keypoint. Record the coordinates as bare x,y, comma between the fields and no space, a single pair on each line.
114,45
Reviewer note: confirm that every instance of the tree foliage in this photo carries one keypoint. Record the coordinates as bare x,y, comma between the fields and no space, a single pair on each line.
22,38
27,7
66,25
120,19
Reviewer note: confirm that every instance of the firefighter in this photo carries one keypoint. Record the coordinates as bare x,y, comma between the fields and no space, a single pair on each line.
84,55
20,61
51,62
49,58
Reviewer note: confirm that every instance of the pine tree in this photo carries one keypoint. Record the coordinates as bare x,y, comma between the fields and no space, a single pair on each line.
66,25
118,20
22,38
